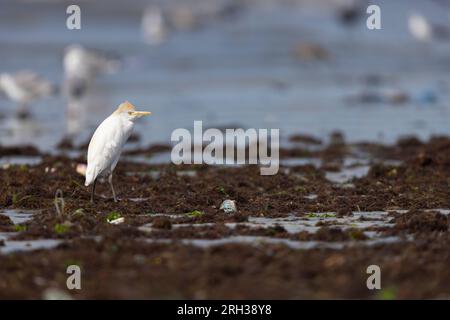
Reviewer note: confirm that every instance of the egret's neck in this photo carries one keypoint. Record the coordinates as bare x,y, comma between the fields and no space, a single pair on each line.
126,124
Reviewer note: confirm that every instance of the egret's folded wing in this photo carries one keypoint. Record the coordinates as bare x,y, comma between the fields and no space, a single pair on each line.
105,145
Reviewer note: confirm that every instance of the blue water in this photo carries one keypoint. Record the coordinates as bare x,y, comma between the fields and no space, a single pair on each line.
239,72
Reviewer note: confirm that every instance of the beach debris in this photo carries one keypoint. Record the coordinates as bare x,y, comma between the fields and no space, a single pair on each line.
50,170
55,294
115,217
81,169
5,220
311,51
162,223
59,202
186,173
228,206
396,96
183,17
117,221
390,96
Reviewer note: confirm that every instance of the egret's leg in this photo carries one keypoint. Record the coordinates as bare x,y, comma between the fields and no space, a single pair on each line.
93,190
112,187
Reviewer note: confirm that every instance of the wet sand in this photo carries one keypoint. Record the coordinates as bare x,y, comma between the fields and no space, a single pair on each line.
295,235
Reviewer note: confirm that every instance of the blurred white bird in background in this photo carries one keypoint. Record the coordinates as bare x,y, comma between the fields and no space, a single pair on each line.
154,26
82,66
107,142
158,23
24,87
423,30
419,27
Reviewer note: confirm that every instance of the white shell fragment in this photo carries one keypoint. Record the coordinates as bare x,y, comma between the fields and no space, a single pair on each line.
228,206
56,294
117,221
81,169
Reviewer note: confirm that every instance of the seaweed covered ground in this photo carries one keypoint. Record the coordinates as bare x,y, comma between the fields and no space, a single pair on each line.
310,231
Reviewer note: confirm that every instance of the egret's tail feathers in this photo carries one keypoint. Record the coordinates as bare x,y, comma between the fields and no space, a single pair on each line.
89,177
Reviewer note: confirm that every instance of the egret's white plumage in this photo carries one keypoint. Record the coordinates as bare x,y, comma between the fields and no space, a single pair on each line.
107,142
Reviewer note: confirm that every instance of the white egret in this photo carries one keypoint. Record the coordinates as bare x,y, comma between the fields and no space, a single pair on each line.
107,142
23,87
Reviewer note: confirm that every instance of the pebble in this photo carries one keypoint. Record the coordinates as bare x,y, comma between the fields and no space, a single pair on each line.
228,206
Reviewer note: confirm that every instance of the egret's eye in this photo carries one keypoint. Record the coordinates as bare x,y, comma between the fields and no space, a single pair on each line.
130,113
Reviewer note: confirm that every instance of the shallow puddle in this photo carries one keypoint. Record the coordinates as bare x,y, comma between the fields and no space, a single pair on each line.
308,223
154,174
295,224
156,158
18,216
347,174
6,162
259,240
29,245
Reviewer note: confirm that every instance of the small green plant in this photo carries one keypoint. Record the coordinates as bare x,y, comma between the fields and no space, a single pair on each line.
16,198
300,189
392,172
356,234
221,189
71,262
281,193
195,214
387,294
61,228
113,215
20,227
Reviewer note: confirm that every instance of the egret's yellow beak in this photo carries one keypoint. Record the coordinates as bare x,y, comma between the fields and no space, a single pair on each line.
140,113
